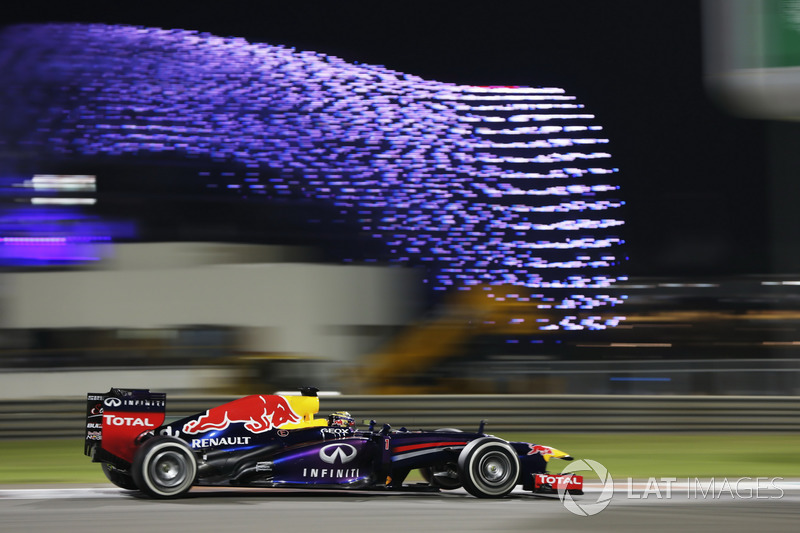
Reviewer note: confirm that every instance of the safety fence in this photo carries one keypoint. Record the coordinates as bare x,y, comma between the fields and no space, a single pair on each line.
64,417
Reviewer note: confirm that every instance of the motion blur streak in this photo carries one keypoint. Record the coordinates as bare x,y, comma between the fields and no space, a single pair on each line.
483,185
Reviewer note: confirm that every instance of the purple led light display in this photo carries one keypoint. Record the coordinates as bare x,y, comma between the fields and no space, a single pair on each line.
491,187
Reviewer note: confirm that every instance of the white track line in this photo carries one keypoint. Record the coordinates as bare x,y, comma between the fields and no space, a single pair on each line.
636,487
61,494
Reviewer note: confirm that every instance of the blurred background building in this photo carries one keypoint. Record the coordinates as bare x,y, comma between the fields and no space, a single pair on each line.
254,212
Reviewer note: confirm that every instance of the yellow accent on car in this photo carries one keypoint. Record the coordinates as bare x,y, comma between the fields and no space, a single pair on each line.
558,454
305,407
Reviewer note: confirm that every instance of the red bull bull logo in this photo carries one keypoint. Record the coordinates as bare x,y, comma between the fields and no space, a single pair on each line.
540,450
257,413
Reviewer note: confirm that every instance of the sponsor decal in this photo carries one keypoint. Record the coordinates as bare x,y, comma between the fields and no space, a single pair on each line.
93,435
130,421
283,433
257,413
221,441
169,432
92,425
336,433
94,398
145,402
559,482
97,410
343,453
330,472
120,430
133,404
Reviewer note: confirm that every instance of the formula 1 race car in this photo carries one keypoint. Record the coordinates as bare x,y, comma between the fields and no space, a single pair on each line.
275,441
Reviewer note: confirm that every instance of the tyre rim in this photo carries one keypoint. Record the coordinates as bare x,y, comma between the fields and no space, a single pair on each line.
168,469
495,468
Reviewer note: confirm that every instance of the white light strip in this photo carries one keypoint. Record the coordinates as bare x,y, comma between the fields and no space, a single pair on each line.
63,201
53,182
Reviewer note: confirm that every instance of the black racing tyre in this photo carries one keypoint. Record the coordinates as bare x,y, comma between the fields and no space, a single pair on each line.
489,468
118,477
164,467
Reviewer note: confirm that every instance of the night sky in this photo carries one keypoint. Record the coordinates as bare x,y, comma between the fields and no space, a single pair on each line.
694,176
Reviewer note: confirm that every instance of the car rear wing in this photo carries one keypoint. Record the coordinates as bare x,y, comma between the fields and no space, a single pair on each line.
115,418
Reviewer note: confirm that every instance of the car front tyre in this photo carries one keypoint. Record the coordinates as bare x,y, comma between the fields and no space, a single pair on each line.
489,468
164,467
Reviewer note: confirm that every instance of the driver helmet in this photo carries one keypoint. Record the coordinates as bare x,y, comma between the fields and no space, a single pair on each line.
341,419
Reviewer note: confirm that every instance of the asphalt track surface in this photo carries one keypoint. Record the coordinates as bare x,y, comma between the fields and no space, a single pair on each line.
68,510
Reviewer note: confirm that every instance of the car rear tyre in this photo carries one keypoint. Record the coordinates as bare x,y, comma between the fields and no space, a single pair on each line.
489,468
164,467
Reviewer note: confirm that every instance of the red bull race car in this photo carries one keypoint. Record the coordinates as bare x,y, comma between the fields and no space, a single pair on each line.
275,441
